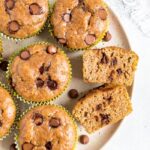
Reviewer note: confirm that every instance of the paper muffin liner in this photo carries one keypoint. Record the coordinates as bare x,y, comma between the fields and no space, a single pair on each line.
99,39
21,98
17,111
37,105
32,35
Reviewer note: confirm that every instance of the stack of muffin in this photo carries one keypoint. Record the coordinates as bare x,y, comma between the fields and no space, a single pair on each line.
39,73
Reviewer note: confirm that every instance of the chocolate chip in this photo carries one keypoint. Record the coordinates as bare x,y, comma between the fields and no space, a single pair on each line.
111,75
73,93
25,55
114,61
107,37
13,147
104,59
9,4
13,26
102,14
54,122
27,146
119,71
41,69
39,82
52,84
51,49
67,17
84,139
3,65
105,118
98,107
62,41
35,9
90,39
1,123
48,146
38,119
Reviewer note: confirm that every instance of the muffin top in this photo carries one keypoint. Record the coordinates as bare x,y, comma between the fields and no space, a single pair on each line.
47,128
22,18
40,72
79,23
7,112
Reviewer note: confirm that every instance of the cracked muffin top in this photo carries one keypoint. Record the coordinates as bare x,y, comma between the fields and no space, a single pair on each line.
7,112
40,72
22,18
79,24
47,127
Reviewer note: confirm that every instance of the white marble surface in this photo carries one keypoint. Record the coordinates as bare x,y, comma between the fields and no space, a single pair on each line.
134,133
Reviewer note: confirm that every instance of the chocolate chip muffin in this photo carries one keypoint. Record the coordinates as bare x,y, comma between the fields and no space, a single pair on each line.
102,106
7,112
47,127
79,24
22,18
40,72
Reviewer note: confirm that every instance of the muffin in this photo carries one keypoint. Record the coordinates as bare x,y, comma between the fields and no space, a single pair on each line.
47,127
39,73
102,106
23,18
109,65
7,112
79,24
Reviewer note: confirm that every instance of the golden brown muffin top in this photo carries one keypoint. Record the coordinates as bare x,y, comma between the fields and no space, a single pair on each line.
7,112
22,18
79,23
40,72
47,128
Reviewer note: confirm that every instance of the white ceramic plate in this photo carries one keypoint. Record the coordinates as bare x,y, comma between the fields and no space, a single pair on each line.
119,38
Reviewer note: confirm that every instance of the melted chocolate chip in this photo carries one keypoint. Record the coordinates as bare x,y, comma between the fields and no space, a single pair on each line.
114,61
3,65
52,84
67,17
107,37
41,69
35,9
48,146
9,4
102,14
90,39
38,119
1,123
119,71
73,93
62,41
98,107
27,146
39,82
51,49
13,26
104,59
25,55
13,147
84,139
54,122
105,118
